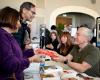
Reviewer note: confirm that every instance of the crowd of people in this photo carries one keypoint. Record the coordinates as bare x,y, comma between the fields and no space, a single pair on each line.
16,54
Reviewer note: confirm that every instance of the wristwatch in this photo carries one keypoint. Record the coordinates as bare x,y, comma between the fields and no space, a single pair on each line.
65,62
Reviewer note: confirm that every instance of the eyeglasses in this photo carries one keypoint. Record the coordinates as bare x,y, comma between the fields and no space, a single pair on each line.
33,12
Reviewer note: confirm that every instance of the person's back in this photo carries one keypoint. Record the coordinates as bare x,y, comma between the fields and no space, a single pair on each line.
12,63
12,60
10,52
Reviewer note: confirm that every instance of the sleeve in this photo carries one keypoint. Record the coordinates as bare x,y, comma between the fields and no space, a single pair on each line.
28,53
10,62
55,45
93,56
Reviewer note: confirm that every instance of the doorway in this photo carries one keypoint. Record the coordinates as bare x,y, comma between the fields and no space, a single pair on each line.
71,9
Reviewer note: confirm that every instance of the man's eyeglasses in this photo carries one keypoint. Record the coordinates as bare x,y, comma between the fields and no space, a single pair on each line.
33,13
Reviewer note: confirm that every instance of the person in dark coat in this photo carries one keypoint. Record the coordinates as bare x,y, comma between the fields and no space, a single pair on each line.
27,13
12,60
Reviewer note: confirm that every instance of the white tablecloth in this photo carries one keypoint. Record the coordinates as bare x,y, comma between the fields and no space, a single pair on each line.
33,70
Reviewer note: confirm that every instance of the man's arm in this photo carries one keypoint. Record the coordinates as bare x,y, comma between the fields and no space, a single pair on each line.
79,67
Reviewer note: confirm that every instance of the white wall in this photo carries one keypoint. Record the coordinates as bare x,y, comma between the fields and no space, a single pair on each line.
45,9
53,5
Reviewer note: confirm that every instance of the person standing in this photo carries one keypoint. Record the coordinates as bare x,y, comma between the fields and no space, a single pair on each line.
27,13
12,61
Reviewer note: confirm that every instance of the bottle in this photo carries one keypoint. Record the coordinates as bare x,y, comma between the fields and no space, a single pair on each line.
42,64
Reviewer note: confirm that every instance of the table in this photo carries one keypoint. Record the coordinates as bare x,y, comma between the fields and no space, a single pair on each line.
65,67
36,76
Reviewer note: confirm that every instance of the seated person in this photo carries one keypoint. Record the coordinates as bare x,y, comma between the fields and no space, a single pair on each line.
66,44
53,43
84,57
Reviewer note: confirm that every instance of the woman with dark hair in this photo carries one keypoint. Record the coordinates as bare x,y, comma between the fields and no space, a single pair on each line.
65,44
12,61
53,42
